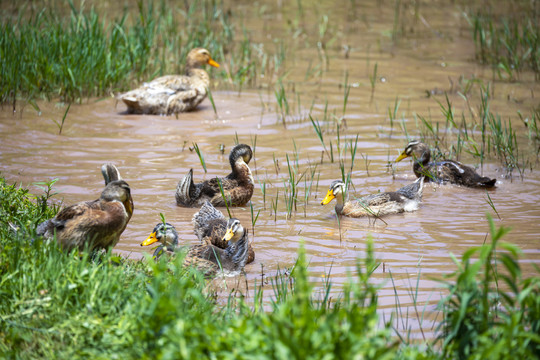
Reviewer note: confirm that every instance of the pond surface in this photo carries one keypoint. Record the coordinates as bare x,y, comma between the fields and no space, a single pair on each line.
152,153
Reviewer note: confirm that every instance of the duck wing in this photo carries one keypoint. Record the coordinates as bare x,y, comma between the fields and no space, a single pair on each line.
48,227
457,173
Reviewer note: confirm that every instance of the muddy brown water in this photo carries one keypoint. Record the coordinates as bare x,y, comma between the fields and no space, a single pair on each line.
152,153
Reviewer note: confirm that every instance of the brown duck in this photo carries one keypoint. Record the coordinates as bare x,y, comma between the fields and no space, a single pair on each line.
407,198
210,226
443,171
172,94
237,186
93,225
207,258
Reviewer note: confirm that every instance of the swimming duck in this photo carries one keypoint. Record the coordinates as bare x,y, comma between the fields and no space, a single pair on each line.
93,225
166,235
207,258
405,199
210,226
237,186
172,94
443,171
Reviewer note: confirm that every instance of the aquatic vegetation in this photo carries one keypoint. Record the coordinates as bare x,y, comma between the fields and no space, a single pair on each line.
507,40
200,155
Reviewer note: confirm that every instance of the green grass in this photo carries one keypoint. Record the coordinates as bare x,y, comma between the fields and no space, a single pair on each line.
58,305
74,53
507,40
491,311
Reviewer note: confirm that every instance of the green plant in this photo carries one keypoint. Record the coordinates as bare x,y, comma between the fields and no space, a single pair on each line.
491,312
200,155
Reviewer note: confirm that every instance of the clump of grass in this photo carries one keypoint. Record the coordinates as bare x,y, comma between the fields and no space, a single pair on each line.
482,319
510,41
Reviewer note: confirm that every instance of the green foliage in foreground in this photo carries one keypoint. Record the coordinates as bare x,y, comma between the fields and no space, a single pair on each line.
57,305
483,321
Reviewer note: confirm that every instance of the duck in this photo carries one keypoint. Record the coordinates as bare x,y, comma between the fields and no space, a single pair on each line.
173,94
210,226
207,258
237,186
446,171
93,225
407,198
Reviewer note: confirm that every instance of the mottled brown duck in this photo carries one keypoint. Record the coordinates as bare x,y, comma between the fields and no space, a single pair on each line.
210,226
407,198
237,186
173,94
93,225
446,171
207,258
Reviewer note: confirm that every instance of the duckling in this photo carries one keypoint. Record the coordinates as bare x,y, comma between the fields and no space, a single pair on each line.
172,94
210,226
237,186
93,225
208,258
443,171
405,199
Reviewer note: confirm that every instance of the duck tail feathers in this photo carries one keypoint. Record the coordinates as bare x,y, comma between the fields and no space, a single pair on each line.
110,173
184,189
414,190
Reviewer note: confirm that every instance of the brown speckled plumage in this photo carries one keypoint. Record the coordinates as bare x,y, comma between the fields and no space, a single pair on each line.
94,224
172,94
443,171
238,185
210,225
207,258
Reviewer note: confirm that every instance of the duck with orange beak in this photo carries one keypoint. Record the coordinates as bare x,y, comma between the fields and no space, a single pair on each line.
207,258
173,94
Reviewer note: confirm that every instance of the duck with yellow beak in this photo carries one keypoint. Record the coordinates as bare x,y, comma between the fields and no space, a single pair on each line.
207,258
173,94
445,171
405,199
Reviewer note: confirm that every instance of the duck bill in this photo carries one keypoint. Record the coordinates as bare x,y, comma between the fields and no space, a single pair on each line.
401,157
128,204
150,240
228,235
329,197
213,63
